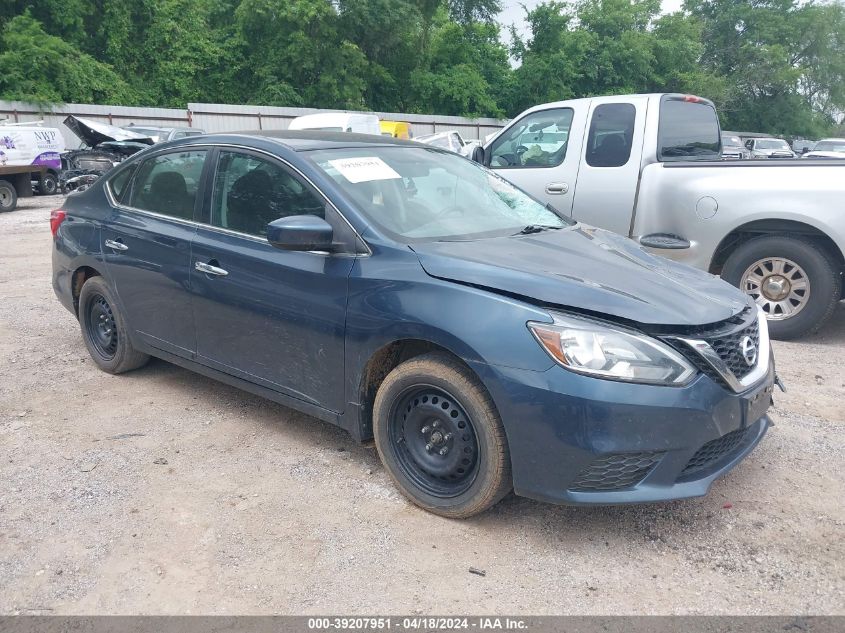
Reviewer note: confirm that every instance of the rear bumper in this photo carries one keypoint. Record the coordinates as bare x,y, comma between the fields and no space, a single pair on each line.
615,442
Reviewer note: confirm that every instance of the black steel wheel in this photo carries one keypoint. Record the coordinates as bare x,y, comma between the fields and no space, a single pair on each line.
104,329
435,441
440,436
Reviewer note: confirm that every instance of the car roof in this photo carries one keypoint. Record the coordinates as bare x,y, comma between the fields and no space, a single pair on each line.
305,140
159,127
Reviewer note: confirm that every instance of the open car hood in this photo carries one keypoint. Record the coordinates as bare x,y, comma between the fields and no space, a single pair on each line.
589,270
93,132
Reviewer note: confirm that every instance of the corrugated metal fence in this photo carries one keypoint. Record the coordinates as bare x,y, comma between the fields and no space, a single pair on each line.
216,117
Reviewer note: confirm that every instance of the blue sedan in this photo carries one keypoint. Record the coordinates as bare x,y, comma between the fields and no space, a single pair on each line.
487,342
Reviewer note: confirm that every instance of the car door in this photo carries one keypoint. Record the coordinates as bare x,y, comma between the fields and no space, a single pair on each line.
276,318
610,165
146,243
539,153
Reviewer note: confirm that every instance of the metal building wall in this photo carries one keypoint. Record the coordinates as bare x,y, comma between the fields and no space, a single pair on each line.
215,117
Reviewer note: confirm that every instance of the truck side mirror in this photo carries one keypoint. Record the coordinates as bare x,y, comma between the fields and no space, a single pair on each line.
478,154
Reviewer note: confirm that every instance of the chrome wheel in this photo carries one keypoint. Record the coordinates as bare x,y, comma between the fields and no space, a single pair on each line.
778,285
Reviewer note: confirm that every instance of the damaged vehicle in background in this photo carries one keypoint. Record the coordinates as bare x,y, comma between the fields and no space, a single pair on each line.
162,134
103,147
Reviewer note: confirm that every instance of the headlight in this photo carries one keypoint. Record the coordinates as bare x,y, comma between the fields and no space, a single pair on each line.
596,349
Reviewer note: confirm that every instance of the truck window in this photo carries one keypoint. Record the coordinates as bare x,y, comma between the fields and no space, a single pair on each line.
537,140
687,130
611,133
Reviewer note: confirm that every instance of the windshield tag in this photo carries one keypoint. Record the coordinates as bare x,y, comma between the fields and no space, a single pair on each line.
364,169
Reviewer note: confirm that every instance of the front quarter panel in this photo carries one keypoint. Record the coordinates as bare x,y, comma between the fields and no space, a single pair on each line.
392,299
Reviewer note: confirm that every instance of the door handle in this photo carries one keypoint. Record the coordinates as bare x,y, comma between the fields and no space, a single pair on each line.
208,269
557,188
116,245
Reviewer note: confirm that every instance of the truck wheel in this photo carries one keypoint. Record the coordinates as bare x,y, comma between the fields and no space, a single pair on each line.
104,329
8,196
48,185
792,279
440,438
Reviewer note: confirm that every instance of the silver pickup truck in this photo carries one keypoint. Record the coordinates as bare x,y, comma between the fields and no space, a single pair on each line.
648,166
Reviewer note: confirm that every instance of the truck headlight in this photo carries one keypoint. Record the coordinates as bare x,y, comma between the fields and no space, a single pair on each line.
614,353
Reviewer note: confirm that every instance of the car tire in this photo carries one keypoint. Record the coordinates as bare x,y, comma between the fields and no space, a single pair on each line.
440,437
104,329
8,196
48,185
799,259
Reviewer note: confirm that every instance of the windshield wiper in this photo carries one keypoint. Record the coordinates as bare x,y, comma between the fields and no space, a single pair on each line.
535,228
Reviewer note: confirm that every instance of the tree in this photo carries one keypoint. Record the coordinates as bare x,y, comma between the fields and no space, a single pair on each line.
387,33
41,68
784,60
294,55
467,73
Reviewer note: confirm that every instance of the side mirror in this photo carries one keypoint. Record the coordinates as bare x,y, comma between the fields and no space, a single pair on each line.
478,154
301,233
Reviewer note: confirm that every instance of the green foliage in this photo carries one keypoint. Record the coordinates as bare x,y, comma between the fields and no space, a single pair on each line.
42,69
770,65
784,62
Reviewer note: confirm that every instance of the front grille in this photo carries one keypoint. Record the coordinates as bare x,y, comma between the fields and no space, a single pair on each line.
726,340
714,451
615,472
729,348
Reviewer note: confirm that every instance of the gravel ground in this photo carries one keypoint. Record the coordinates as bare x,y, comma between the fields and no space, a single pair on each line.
164,492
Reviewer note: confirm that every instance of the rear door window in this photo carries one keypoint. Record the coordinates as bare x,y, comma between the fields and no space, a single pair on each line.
118,183
168,184
688,130
611,133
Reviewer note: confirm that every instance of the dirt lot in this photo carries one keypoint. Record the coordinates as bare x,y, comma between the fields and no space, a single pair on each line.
162,491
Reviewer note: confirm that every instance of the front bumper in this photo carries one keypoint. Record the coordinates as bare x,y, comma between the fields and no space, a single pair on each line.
581,441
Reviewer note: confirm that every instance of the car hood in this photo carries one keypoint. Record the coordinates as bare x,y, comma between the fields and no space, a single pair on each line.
586,269
824,154
776,152
93,132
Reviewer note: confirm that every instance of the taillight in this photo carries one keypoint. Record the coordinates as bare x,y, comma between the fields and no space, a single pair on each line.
57,216
692,99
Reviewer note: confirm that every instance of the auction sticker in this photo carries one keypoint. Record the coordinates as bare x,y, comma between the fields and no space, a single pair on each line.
364,169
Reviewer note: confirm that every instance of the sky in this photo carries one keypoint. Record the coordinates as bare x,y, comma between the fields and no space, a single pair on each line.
513,13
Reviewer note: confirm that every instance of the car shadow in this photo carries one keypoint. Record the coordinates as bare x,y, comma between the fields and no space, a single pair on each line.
832,332
512,515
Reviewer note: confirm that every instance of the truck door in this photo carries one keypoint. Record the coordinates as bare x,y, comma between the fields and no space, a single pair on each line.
539,153
610,165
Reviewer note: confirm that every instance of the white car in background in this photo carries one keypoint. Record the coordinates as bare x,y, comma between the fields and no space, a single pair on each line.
828,148
450,140
338,122
769,148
